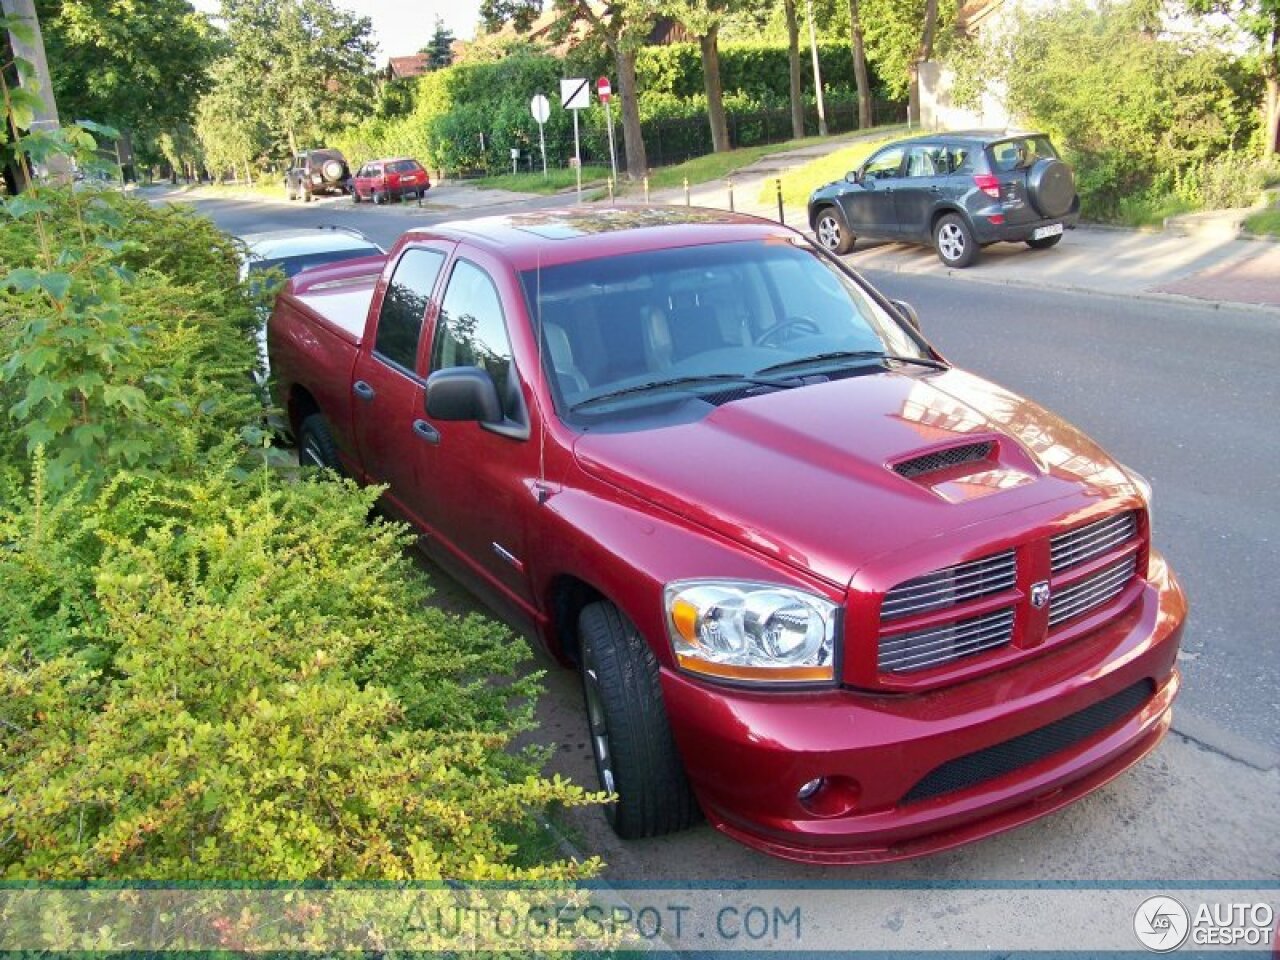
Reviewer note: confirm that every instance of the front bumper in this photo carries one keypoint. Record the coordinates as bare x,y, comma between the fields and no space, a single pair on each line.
748,753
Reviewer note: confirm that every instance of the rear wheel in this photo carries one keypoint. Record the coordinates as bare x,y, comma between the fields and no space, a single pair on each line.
954,242
634,750
306,194
1044,243
355,195
377,198
288,192
832,233
316,446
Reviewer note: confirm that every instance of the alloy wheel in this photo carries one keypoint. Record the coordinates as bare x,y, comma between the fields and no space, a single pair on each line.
951,241
829,232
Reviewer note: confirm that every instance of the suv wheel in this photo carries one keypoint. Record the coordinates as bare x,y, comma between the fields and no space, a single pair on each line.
288,191
832,233
635,753
954,242
306,194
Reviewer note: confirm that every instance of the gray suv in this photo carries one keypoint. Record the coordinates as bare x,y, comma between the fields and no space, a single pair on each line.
958,192
315,172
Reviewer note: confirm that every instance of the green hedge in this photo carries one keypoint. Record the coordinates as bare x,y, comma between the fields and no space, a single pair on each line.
210,668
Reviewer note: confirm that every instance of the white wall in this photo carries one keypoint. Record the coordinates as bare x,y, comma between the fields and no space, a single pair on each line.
938,112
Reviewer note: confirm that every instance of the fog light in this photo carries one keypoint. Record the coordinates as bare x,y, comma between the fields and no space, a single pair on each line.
810,788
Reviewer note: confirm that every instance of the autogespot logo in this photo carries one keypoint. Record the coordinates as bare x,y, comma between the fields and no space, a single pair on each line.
1161,923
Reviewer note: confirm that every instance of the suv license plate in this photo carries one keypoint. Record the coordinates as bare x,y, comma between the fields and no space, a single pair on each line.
1052,230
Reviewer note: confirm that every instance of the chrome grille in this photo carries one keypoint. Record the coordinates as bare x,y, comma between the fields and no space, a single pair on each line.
921,649
1092,592
1085,543
951,585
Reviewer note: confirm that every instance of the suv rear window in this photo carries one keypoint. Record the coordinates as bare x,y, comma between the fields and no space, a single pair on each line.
1017,153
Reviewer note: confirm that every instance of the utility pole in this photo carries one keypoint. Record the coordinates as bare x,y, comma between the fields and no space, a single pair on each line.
46,118
817,71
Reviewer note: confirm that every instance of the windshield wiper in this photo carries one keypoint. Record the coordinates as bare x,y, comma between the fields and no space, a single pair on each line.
680,382
851,355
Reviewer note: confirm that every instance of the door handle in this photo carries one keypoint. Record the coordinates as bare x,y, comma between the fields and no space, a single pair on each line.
426,431
935,189
362,390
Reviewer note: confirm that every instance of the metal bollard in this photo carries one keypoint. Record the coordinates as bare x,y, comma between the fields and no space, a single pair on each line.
686,192
646,188
777,183
731,195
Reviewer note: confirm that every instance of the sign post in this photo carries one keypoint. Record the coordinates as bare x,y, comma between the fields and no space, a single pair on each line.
541,110
605,93
575,95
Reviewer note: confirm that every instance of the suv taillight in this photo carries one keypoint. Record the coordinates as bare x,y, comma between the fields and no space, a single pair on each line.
988,183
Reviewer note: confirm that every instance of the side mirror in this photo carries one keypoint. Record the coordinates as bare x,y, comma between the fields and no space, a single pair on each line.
463,393
908,313
853,176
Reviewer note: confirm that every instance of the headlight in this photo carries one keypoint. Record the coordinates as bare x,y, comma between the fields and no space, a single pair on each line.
756,632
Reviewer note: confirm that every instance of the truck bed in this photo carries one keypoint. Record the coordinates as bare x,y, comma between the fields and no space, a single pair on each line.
337,296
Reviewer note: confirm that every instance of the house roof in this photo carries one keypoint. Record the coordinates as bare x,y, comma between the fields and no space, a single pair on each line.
410,66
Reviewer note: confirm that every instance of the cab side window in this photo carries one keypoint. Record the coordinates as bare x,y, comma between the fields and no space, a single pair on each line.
472,332
404,306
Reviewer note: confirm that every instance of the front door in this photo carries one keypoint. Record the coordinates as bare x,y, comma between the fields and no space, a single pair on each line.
868,205
481,479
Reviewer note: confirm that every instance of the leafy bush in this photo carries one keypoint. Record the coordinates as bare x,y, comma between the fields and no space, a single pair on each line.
1231,180
129,338
209,669
209,678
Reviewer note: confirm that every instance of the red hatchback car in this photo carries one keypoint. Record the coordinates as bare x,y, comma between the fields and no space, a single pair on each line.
847,600
383,180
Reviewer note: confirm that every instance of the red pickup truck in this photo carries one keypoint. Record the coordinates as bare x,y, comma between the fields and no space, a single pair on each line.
849,602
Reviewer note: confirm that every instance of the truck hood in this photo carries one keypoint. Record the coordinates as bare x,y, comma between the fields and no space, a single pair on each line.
807,475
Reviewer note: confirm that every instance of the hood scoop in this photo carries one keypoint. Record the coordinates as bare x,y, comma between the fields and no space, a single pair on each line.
947,458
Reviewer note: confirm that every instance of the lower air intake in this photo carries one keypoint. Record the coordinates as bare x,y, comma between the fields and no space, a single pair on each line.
976,768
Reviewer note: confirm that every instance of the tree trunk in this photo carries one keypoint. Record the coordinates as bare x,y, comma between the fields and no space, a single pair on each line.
632,134
925,52
793,52
710,44
1273,115
860,66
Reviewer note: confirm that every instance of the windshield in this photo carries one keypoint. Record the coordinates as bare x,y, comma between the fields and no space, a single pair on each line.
723,311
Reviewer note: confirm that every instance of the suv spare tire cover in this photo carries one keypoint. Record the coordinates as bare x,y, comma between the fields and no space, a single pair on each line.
1051,187
332,170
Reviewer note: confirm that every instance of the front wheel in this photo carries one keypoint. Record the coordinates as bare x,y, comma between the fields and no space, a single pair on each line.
631,740
355,196
1044,243
954,242
832,233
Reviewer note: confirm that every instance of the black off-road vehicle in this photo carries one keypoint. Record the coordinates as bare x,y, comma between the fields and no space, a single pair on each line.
317,172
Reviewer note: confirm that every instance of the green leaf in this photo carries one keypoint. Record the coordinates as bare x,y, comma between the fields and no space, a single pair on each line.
57,285
21,28
102,129
25,104
22,279
24,205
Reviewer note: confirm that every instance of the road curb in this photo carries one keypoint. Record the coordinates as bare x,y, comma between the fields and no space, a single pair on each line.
1038,284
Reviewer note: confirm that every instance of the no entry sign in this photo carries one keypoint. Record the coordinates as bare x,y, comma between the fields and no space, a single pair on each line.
603,90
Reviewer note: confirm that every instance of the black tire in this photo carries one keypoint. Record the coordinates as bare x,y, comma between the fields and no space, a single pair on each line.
832,232
378,198
306,195
635,753
954,241
289,195
316,446
355,196
1051,187
1044,243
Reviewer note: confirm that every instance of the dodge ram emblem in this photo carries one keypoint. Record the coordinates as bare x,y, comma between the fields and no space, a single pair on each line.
1040,594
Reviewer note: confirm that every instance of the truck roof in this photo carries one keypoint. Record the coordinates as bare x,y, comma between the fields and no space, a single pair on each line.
549,237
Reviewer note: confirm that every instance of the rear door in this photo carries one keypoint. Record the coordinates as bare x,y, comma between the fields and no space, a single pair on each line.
387,387
1010,161
920,189
869,204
